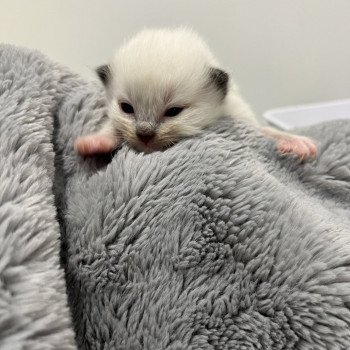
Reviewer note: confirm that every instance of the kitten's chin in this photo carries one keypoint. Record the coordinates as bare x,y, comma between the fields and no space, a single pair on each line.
149,147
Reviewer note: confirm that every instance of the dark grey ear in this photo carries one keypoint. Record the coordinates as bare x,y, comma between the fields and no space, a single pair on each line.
220,79
104,73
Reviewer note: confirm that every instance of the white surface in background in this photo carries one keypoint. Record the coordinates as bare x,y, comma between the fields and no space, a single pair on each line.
305,115
280,52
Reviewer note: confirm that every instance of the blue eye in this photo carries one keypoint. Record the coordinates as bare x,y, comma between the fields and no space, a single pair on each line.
127,108
173,112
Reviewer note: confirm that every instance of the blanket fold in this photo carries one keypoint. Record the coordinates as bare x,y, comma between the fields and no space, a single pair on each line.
216,243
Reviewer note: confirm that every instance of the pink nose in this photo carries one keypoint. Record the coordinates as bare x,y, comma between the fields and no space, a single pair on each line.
145,137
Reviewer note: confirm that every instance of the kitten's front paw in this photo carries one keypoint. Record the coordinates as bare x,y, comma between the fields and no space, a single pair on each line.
94,144
301,146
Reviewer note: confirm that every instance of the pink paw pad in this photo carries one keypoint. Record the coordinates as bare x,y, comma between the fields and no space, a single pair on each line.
94,144
300,146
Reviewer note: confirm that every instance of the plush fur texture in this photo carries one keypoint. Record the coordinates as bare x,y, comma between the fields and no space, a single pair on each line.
216,243
33,303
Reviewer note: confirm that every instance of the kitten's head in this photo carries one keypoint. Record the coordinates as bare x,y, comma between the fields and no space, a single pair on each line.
163,85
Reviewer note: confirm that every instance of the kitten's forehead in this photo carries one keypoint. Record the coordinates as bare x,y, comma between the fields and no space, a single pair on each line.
163,58
147,96
164,72
162,86
162,67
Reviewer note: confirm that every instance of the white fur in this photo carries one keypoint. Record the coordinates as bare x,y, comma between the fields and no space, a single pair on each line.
162,68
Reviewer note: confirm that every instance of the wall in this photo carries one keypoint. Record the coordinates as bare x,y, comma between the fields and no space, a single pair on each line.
281,52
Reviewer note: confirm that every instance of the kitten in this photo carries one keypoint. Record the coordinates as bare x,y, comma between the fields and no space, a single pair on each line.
164,85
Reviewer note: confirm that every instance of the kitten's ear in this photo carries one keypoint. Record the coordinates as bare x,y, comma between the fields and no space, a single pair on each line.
104,73
219,79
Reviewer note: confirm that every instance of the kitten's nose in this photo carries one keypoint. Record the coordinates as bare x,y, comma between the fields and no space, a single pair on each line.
145,138
145,132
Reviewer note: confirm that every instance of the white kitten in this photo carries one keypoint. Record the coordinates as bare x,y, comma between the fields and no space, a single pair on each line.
164,85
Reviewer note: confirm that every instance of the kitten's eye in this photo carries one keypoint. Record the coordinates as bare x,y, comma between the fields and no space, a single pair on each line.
127,108
173,112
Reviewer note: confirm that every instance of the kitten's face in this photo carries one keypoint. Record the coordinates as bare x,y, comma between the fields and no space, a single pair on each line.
151,114
162,87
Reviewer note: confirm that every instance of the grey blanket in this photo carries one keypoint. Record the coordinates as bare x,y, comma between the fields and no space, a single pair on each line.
215,243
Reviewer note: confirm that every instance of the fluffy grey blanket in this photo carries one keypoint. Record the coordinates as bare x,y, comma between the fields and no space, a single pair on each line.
216,243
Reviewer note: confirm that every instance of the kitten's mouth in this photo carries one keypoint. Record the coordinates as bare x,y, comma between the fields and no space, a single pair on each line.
150,144
146,147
